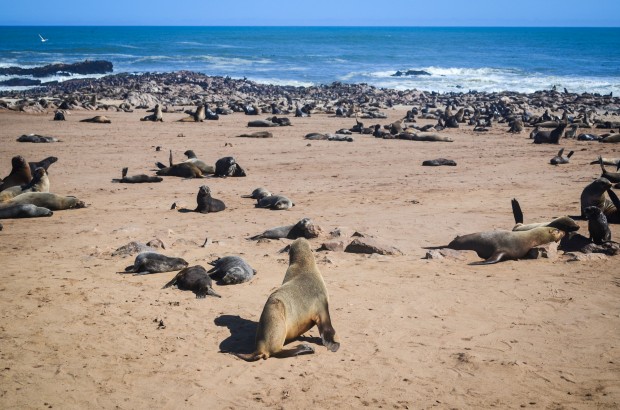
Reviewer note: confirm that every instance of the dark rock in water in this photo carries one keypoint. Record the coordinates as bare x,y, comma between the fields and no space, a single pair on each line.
410,72
20,82
84,67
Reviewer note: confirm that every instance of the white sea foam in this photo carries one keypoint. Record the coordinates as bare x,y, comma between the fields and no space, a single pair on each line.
280,81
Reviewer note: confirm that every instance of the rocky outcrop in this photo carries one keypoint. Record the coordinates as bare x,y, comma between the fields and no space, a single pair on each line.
84,67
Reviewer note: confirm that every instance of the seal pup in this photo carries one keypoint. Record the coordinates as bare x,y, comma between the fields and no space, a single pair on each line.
231,270
39,183
497,246
45,163
99,119
228,167
24,211
206,203
152,262
564,223
59,116
136,179
597,225
305,228
20,173
196,279
294,308
560,158
156,116
191,157
257,194
46,200
275,202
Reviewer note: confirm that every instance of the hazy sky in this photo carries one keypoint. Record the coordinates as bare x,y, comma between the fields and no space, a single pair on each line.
592,13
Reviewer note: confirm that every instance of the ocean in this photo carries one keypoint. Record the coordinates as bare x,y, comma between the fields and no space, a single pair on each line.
455,59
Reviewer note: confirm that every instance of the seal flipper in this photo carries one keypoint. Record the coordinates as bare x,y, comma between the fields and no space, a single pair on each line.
495,258
172,282
516,211
203,293
300,349
614,199
570,154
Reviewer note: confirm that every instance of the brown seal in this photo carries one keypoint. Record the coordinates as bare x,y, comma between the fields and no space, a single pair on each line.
182,169
197,116
39,183
46,200
156,116
196,279
563,223
294,308
594,195
20,173
206,203
136,179
99,119
497,246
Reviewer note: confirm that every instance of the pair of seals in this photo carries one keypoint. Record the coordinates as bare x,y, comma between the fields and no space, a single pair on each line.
258,194
20,173
156,116
231,270
42,164
563,223
611,176
39,183
206,203
203,166
152,262
228,167
136,179
497,246
182,169
294,308
597,225
594,195
196,279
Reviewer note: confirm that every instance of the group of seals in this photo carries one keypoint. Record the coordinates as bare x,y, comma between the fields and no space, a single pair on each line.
39,183
594,195
294,308
564,223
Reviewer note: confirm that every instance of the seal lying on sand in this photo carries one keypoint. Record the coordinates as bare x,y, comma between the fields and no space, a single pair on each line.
46,200
294,308
182,169
37,138
39,183
196,279
438,162
23,211
99,119
424,136
258,134
136,179
228,167
305,228
231,270
275,202
560,159
20,173
203,166
257,194
152,262
563,223
597,225
497,246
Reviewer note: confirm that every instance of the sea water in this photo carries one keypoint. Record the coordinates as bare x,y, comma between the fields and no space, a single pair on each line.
456,59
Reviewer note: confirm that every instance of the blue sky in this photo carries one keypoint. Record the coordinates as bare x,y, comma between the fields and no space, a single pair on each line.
592,13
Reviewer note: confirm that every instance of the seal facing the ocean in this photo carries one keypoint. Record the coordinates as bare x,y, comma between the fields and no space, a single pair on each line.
294,308
497,246
196,279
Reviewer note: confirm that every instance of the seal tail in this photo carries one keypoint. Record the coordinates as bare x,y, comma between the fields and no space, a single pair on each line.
516,211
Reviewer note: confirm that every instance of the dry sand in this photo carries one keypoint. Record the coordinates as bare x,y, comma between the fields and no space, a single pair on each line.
414,333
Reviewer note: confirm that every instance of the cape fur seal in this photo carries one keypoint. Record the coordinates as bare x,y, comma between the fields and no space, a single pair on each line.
275,202
197,116
497,246
196,279
156,116
439,162
594,195
611,176
203,166
549,137
597,225
424,136
564,223
45,163
231,270
305,228
39,183
206,203
294,308
136,179
228,167
182,169
257,194
152,262
99,119
37,138
257,134
560,158
20,173
23,211
46,200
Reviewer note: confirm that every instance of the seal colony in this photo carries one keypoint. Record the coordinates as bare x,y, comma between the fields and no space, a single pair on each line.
375,184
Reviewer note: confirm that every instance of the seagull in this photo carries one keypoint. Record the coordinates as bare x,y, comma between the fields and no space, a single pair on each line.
43,40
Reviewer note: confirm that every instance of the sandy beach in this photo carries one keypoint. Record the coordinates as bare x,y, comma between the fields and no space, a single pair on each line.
415,333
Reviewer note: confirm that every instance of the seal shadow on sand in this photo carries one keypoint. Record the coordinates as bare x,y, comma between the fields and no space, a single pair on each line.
243,334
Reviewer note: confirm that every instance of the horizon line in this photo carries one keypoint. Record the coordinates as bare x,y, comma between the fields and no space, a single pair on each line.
297,26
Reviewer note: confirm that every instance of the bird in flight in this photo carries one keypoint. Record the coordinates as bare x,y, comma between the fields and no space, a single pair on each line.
43,40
